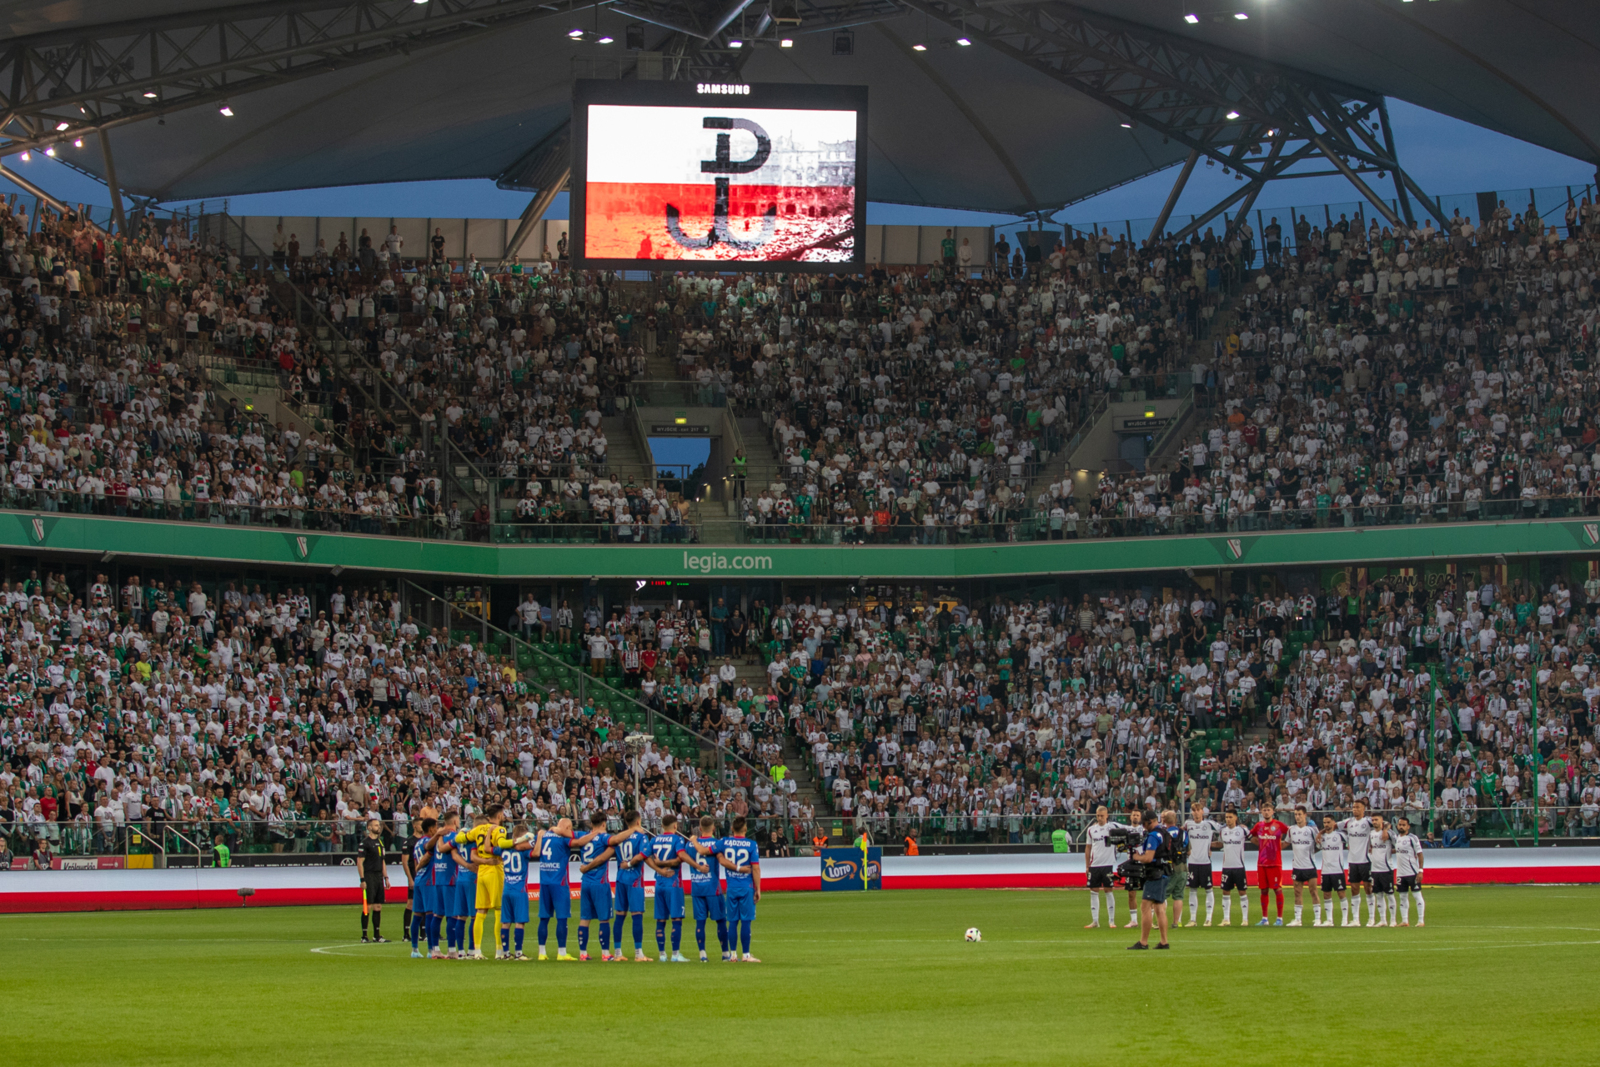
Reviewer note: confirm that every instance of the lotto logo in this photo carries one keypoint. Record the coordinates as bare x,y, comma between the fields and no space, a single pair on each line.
841,871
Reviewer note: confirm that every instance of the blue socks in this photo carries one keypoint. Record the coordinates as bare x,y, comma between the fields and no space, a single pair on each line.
744,935
518,933
661,934
561,934
638,931
616,929
700,933
677,934
583,939
722,934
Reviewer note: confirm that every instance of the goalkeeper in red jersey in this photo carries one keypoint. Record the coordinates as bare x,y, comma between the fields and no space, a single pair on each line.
1269,834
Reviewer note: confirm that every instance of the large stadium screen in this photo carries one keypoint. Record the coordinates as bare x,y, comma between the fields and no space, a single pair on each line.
743,176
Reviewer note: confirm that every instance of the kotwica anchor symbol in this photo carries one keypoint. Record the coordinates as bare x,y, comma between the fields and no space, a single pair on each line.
726,164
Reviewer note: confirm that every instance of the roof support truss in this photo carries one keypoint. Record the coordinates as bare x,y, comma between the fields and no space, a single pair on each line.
1247,115
59,85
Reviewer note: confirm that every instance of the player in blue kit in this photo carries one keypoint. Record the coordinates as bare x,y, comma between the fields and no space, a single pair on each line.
705,888
422,905
444,887
741,858
668,849
514,902
633,846
555,894
464,900
594,892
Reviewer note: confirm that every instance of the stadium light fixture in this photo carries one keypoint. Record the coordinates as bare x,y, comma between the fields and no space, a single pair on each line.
419,1
919,48
226,111
736,43
607,40
61,126
786,43
575,34
26,156
1233,114
1241,15
51,151
1127,125
150,94
77,142
1192,19
963,42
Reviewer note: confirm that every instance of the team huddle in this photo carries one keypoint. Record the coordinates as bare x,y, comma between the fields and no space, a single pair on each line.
474,884
1348,859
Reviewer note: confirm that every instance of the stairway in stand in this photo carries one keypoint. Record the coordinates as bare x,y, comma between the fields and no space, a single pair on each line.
660,367
754,674
623,460
758,450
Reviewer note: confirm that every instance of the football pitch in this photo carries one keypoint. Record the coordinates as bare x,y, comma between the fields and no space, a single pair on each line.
1499,975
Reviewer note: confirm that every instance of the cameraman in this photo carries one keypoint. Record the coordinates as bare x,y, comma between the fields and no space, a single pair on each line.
1156,856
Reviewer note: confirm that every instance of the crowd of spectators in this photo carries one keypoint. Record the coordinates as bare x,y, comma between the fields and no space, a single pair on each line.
923,408
284,727
1382,376
948,722
1370,375
111,348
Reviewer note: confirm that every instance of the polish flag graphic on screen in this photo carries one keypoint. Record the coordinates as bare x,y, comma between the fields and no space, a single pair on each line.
720,183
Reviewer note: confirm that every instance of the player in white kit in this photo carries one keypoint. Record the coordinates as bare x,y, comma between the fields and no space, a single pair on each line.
1357,832
1380,850
1303,863
1100,856
1202,839
1332,842
1233,837
1408,865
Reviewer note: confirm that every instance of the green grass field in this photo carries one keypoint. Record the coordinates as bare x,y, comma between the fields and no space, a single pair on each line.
1500,975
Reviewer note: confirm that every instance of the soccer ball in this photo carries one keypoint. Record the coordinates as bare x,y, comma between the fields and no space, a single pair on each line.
973,934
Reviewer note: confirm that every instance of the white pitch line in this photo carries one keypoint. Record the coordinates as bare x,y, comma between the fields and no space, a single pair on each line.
328,950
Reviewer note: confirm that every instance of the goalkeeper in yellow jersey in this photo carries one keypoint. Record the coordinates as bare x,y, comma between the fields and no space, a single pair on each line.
480,843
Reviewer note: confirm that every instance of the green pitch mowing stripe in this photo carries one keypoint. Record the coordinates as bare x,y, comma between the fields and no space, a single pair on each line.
1497,977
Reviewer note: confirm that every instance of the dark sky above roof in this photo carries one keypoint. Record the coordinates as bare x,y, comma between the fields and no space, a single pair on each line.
950,127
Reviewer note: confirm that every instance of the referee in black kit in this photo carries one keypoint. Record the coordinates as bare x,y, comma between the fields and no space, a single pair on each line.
374,880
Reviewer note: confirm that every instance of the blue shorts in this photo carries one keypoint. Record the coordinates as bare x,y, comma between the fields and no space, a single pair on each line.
708,907
555,900
466,900
630,898
422,898
594,901
514,906
1155,891
669,900
741,907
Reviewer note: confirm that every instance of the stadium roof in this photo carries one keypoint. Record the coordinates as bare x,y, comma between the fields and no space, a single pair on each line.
990,126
